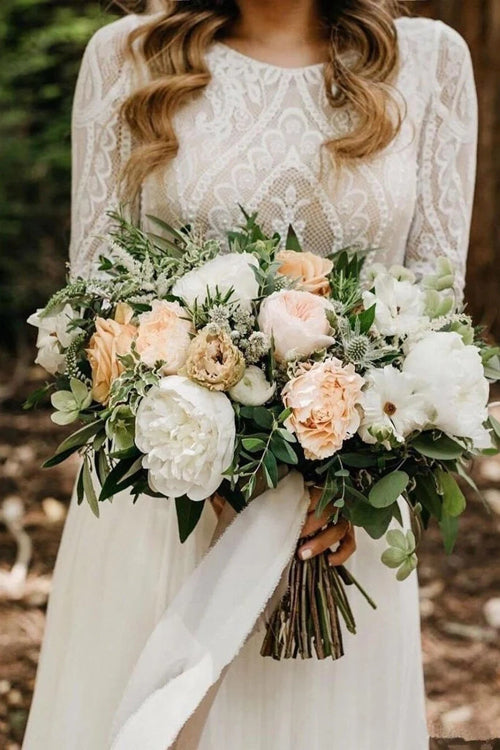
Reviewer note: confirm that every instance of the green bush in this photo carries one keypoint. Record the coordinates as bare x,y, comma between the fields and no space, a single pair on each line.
41,44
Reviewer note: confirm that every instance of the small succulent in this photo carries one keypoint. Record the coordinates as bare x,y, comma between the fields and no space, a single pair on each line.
400,553
69,404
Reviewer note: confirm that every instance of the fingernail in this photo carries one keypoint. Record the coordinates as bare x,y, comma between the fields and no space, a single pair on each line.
305,553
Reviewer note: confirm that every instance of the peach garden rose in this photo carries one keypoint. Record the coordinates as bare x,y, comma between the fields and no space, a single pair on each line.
309,270
324,399
164,335
111,339
297,322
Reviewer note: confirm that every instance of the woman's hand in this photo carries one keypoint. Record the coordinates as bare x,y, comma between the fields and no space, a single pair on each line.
323,538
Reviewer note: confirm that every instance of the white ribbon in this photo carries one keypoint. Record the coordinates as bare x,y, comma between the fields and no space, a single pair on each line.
210,618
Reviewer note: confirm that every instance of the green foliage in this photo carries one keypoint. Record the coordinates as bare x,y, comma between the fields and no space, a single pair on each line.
41,43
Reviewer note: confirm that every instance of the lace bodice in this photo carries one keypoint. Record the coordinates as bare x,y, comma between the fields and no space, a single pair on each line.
254,137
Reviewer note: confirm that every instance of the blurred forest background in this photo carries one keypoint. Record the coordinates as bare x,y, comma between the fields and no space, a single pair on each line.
41,43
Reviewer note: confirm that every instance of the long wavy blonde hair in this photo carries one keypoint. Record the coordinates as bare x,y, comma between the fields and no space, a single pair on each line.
171,46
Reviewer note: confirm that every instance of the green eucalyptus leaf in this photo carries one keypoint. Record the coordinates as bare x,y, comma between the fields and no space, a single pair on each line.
449,529
80,494
270,467
253,444
442,448
426,493
81,436
263,417
387,490
454,501
374,521
283,451
88,488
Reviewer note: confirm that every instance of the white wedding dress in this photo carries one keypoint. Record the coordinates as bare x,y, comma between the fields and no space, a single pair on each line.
254,137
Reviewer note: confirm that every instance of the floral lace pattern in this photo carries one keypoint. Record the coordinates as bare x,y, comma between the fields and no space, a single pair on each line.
255,137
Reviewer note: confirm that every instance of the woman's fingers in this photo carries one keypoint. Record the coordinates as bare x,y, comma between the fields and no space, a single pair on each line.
345,549
314,523
323,541
314,496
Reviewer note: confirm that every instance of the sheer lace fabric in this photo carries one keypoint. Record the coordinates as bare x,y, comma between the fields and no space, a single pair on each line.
254,137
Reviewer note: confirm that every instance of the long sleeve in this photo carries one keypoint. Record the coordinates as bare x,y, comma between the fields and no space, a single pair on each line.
446,160
101,142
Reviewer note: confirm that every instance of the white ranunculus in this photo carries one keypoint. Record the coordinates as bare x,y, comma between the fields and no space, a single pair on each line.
187,434
253,389
233,270
392,406
53,337
400,305
452,378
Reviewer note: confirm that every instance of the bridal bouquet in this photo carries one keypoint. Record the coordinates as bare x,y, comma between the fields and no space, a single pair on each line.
199,366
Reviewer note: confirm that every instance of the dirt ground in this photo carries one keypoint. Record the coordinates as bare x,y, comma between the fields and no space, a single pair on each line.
460,594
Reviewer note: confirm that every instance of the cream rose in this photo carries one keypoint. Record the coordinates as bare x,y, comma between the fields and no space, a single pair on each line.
297,322
110,340
164,335
310,270
324,400
214,361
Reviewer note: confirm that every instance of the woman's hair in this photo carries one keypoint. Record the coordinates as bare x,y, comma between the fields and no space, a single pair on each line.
172,45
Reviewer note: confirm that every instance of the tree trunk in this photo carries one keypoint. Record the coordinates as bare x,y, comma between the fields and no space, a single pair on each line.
478,21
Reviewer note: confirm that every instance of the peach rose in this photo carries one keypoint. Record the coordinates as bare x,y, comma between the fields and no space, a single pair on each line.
110,340
308,269
164,334
214,361
324,398
297,322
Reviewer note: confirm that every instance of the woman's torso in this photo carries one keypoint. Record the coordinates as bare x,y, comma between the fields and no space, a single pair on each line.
254,138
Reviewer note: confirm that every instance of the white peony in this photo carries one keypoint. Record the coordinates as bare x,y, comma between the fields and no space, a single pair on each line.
400,305
253,389
392,406
234,270
53,337
452,378
187,434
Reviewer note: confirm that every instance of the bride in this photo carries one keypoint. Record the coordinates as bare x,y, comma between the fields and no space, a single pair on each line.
355,125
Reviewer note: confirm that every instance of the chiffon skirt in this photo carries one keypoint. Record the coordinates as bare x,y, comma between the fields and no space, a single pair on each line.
113,579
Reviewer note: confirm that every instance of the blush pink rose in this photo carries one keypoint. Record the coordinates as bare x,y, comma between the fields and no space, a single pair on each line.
297,322
309,270
164,334
324,400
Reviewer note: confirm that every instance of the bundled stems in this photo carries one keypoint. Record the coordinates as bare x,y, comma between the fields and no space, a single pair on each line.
306,620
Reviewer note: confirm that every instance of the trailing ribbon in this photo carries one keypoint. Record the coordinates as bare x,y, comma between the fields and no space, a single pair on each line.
209,620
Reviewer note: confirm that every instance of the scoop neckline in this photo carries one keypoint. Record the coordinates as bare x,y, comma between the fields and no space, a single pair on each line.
267,65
